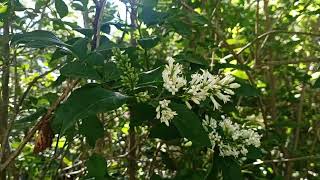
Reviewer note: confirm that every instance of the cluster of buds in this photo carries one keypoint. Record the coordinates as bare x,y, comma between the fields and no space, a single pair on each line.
130,76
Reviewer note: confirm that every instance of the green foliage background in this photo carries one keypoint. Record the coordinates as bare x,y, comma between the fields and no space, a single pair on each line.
101,130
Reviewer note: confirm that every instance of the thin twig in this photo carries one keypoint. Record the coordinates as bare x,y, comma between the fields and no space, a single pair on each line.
17,107
282,160
274,32
102,6
154,159
306,60
299,117
46,117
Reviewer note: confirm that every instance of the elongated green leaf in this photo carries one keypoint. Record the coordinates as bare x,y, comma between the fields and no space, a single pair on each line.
317,83
231,169
83,102
96,166
192,58
164,132
151,77
92,128
85,31
247,90
79,70
189,125
77,6
80,48
148,43
142,113
37,39
109,72
61,8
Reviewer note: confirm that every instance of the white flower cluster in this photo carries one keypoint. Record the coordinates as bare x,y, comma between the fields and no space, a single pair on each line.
164,113
172,77
206,85
235,139
201,86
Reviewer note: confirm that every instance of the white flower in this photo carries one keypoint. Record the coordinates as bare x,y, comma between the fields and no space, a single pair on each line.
164,113
234,85
201,85
243,150
188,105
228,126
227,80
172,77
228,91
228,150
234,140
216,105
210,122
251,137
223,97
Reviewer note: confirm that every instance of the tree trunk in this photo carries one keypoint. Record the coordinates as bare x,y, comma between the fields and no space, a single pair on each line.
4,104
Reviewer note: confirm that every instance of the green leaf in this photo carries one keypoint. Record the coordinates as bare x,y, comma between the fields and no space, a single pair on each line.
96,166
58,81
231,169
61,8
95,59
58,53
77,6
84,2
3,8
151,77
79,70
317,83
37,39
164,132
254,153
83,102
181,27
51,97
247,90
80,48
215,167
92,128
150,16
148,43
150,3
110,72
85,31
142,113
192,58
189,125
105,28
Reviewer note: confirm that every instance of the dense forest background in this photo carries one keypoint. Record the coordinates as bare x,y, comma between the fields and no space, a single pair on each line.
160,89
